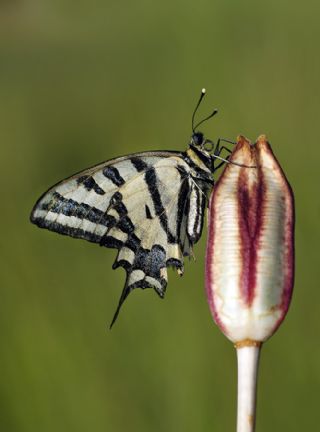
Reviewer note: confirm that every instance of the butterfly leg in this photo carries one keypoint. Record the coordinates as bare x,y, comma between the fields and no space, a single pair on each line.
220,164
218,150
223,148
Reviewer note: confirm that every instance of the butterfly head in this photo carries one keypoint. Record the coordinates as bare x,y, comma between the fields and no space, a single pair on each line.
199,150
202,144
197,139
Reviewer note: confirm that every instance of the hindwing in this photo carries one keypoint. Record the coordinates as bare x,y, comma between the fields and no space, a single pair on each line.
150,206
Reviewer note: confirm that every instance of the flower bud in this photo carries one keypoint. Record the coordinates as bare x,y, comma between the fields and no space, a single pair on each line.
250,250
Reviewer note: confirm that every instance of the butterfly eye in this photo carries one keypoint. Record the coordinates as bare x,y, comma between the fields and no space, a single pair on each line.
208,145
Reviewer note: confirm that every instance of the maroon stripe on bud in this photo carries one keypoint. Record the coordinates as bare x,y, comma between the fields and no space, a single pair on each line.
248,250
251,220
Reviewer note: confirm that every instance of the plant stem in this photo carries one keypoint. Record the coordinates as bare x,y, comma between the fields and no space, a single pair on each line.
248,361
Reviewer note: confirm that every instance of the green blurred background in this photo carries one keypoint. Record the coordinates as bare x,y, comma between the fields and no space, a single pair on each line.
82,82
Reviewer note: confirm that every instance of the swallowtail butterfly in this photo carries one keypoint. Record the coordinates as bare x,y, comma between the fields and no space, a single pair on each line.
150,206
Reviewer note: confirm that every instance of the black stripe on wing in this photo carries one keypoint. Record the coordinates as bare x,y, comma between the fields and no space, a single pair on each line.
90,184
152,183
68,207
139,164
67,230
113,174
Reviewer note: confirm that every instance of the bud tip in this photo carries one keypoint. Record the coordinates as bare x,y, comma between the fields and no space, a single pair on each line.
262,139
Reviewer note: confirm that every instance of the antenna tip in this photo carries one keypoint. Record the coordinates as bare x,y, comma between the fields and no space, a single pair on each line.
203,91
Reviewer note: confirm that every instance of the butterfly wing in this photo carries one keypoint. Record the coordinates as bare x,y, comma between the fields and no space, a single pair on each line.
146,205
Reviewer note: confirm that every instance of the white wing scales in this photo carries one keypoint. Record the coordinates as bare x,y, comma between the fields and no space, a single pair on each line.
147,206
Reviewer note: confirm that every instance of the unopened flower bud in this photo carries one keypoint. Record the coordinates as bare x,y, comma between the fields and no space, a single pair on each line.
250,250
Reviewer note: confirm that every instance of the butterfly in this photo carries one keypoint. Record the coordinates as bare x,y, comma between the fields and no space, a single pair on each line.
150,206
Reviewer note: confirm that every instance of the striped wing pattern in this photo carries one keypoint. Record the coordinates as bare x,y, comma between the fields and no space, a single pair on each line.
150,206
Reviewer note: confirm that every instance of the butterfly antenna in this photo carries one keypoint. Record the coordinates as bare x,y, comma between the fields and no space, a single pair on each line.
203,92
214,112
